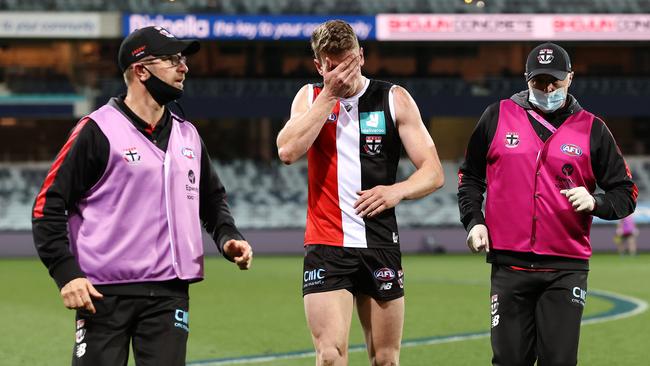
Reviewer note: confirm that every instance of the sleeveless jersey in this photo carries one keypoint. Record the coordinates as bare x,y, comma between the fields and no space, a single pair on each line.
358,148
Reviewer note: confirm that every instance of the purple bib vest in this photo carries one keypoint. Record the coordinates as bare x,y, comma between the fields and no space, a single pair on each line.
140,222
525,211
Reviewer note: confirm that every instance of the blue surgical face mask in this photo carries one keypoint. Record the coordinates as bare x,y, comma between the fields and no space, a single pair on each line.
547,102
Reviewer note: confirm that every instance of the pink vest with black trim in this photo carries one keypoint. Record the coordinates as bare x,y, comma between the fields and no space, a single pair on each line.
140,222
525,211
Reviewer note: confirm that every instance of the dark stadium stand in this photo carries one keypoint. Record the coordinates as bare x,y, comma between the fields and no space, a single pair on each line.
269,195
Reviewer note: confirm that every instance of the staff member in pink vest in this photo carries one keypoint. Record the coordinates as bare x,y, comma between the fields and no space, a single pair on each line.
540,156
118,219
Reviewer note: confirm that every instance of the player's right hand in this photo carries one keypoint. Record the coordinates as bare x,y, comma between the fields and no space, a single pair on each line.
77,294
478,239
339,81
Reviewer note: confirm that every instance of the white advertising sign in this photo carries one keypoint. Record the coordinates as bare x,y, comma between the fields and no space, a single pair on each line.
59,25
512,27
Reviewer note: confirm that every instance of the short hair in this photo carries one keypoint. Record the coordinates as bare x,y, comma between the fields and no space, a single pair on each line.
333,38
128,75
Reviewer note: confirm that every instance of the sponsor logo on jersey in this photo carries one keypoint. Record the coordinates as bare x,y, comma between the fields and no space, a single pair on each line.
131,156
372,146
571,150
563,183
188,153
191,189
384,274
512,140
567,169
372,123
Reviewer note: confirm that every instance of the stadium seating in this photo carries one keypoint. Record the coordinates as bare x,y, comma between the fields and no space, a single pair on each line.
495,86
270,195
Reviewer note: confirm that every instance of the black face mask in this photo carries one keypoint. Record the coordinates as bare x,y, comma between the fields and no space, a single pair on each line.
161,92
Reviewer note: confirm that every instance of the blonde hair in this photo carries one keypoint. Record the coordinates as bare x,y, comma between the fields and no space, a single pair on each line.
333,38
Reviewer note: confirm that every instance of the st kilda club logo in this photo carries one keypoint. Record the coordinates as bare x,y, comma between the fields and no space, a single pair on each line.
372,146
545,56
512,140
131,156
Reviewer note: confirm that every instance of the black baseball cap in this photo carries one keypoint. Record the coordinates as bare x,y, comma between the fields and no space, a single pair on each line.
152,41
548,59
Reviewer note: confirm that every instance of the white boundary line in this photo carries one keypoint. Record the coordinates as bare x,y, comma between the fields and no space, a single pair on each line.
640,307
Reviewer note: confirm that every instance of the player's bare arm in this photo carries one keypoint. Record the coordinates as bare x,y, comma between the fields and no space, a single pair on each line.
420,149
300,132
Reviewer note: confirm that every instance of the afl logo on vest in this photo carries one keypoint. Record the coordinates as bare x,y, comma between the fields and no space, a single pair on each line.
188,153
571,150
332,118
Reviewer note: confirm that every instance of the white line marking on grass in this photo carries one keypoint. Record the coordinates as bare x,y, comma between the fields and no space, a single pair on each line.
624,307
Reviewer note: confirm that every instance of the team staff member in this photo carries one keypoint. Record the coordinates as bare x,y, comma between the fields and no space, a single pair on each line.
542,156
352,130
118,219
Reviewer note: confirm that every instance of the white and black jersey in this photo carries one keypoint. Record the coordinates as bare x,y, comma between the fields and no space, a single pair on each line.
357,149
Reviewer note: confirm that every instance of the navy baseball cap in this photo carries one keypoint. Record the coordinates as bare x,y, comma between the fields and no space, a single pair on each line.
548,59
152,41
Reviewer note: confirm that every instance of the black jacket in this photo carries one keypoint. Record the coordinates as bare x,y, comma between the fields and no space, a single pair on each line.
607,163
79,165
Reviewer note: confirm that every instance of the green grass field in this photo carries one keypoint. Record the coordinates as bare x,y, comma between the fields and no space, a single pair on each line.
238,314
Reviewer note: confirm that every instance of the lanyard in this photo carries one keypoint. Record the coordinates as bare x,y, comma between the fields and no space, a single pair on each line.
541,120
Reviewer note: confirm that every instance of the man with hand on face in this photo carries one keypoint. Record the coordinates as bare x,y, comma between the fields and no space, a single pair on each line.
352,130
540,156
118,219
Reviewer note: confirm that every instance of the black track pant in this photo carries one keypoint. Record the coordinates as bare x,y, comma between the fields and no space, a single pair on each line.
157,327
536,316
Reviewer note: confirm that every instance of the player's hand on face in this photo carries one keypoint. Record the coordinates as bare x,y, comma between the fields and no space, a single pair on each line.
339,80
372,202
478,239
78,294
240,251
580,199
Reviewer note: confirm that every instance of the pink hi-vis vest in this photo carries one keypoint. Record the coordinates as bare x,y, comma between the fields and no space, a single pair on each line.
140,222
525,211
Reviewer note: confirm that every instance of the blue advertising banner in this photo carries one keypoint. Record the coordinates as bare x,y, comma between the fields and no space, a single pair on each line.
244,27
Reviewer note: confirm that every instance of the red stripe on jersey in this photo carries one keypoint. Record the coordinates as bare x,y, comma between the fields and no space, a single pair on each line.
51,174
324,222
